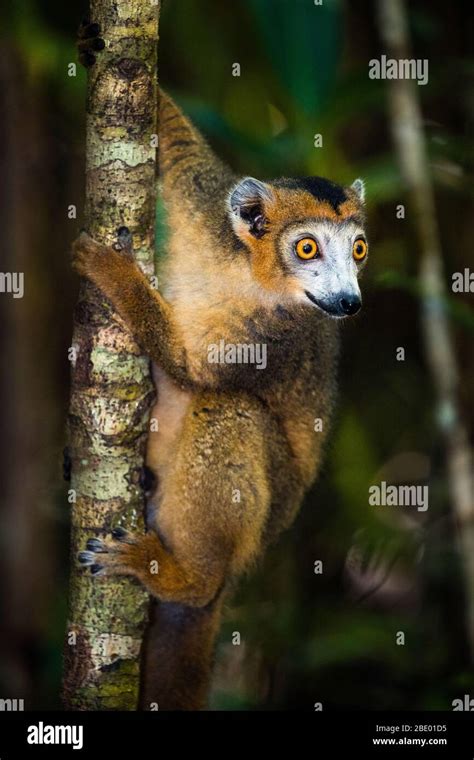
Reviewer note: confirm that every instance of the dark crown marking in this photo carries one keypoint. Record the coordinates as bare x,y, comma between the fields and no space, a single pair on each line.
322,189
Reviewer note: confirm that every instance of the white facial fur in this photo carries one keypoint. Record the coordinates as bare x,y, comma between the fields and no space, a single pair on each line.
332,276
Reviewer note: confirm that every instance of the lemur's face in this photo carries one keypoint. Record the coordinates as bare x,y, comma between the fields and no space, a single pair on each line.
306,238
324,258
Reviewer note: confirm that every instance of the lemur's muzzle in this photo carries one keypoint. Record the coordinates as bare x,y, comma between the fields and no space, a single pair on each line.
342,305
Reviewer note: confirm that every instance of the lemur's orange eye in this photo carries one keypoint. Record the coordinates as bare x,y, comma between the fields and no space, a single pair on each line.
306,248
359,250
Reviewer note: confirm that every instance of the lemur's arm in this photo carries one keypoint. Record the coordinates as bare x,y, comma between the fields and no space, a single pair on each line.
151,321
145,311
190,173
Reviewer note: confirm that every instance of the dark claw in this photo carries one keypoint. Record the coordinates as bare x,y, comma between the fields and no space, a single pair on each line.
124,241
98,44
87,29
119,534
87,59
83,558
93,30
96,569
147,479
67,464
95,545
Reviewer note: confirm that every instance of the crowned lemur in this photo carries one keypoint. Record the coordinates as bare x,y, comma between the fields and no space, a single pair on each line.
271,264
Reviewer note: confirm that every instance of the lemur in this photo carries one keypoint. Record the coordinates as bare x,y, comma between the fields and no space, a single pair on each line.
274,263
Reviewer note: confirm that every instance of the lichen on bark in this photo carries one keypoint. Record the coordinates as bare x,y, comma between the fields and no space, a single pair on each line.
111,385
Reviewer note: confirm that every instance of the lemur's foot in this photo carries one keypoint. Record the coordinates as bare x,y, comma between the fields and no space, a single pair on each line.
123,554
144,557
89,42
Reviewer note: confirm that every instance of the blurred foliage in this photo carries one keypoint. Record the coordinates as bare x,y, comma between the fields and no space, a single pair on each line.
305,638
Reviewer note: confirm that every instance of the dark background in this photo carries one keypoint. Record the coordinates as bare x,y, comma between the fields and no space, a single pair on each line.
305,637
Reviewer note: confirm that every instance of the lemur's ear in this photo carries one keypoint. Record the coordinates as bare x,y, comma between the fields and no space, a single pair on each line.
359,186
247,201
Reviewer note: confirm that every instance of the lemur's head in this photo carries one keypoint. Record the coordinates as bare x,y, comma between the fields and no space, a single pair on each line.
306,239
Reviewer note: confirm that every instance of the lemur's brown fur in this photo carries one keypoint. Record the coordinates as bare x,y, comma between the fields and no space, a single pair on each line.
237,446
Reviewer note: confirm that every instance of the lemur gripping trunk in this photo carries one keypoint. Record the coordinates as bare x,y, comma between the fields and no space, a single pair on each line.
226,428
236,448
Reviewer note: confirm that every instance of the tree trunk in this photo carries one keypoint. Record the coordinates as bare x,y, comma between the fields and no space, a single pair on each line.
112,390
406,122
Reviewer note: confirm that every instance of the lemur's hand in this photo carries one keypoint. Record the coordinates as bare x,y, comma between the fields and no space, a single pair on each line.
89,257
103,264
148,316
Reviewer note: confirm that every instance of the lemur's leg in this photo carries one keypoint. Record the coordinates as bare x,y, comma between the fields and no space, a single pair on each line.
89,42
145,311
214,506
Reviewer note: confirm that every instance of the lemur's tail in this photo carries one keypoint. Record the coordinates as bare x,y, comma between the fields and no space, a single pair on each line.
187,165
178,655
179,139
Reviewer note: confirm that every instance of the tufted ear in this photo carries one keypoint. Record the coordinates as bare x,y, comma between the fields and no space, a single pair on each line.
359,187
248,201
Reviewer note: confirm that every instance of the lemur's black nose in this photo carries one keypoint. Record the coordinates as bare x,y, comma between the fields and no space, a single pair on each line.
350,304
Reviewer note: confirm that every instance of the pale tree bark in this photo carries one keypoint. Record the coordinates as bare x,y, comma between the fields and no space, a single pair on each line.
112,390
408,135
